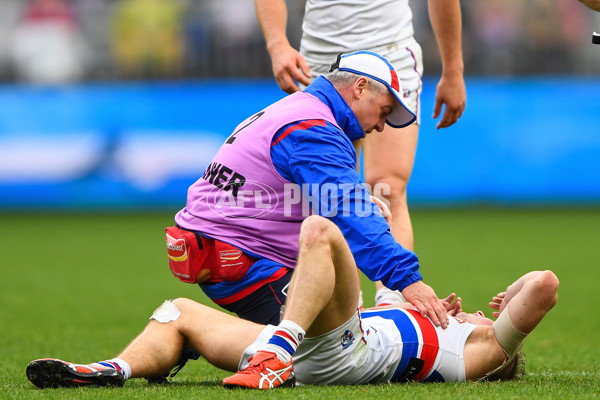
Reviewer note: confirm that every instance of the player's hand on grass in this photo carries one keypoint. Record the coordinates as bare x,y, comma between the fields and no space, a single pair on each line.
288,67
452,93
453,304
496,304
427,303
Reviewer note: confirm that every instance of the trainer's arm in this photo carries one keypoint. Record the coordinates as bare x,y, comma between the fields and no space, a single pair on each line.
446,20
288,65
324,160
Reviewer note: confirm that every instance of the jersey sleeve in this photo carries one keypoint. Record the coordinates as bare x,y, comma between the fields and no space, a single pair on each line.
322,161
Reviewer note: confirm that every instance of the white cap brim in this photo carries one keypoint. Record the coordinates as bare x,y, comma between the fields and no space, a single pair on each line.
376,67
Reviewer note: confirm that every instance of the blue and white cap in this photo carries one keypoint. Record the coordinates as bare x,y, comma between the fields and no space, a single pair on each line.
376,67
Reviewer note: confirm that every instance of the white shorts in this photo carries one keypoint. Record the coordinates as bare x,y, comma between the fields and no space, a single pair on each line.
407,59
370,351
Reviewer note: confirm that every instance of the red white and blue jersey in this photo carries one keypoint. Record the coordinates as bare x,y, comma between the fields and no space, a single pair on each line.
429,353
384,345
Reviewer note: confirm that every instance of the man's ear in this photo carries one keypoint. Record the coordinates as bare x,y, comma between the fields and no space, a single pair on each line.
361,85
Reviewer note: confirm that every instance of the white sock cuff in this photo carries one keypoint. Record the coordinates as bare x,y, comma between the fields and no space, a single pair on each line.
124,366
294,328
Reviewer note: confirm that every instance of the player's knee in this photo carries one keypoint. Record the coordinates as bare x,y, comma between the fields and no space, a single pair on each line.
316,230
396,180
167,312
173,310
183,304
390,188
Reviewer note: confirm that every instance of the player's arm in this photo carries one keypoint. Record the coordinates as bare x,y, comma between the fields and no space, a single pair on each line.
528,299
522,307
446,20
288,65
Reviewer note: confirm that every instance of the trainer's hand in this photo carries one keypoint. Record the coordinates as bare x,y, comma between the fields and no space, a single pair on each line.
288,67
427,303
452,93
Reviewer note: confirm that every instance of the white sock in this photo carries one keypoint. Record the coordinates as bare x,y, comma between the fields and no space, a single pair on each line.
115,363
285,340
385,296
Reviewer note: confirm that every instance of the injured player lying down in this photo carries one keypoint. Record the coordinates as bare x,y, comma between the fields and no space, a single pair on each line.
329,340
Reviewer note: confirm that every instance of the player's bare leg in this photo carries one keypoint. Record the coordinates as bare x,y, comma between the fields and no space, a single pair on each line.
388,159
221,342
154,352
323,295
324,288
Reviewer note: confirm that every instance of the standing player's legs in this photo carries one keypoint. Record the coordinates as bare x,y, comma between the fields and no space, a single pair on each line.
388,162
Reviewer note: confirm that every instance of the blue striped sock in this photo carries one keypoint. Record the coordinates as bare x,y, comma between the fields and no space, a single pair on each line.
285,340
116,363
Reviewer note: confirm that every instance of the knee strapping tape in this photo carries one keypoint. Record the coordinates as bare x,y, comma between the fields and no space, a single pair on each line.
166,312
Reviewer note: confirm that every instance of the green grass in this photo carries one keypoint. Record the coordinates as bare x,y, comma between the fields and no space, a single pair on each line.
80,287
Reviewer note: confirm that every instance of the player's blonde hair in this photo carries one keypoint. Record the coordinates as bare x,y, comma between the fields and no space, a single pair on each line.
515,369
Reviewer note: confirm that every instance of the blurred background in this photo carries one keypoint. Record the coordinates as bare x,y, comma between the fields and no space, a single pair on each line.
120,104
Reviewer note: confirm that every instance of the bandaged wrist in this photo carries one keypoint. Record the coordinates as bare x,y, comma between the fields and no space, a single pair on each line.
509,337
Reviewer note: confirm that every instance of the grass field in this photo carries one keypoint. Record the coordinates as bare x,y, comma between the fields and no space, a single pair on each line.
79,287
